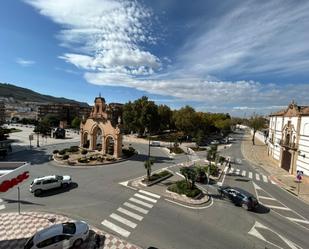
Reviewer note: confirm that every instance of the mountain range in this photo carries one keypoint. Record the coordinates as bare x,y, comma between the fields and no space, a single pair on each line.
20,94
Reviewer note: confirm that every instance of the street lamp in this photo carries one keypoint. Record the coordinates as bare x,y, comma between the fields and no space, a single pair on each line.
37,139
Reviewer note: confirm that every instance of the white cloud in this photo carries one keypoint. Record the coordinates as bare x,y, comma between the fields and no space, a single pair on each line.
24,63
107,35
254,37
108,39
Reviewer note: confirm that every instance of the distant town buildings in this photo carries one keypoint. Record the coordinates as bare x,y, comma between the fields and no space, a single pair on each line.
65,112
2,113
288,141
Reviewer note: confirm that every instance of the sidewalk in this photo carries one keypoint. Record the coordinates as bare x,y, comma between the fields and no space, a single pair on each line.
257,155
15,229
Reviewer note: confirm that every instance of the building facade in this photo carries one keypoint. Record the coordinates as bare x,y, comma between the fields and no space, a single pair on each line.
2,113
65,112
288,139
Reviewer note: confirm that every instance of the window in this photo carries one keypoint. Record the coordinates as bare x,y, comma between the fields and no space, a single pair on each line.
46,242
62,237
46,181
38,183
69,228
59,177
29,243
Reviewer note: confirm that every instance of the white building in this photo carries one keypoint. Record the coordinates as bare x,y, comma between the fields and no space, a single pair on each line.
288,140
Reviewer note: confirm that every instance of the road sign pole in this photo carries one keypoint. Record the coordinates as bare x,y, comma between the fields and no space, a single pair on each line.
298,187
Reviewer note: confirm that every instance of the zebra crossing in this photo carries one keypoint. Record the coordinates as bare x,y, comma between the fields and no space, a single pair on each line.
127,216
249,174
2,206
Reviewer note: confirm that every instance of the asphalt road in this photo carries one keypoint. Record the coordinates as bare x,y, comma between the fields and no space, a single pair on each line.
97,194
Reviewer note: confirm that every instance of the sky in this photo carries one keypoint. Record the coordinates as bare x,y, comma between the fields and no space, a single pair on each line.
240,57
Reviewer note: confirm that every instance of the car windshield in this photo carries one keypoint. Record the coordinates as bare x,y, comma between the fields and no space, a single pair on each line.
29,243
59,177
69,228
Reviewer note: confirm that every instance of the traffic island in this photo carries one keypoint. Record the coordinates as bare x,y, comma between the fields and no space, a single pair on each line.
16,229
196,198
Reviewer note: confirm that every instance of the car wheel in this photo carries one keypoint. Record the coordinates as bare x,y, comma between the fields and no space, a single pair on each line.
37,192
77,242
245,206
65,185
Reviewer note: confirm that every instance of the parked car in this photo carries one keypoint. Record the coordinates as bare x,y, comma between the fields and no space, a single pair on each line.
60,236
239,197
38,185
155,143
214,142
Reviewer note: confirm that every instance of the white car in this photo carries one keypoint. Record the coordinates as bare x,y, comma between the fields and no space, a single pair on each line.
214,142
60,236
39,185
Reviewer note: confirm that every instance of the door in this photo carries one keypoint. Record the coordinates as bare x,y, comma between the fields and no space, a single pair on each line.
286,160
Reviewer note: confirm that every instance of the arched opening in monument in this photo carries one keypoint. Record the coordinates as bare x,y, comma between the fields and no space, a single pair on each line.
97,136
86,141
110,145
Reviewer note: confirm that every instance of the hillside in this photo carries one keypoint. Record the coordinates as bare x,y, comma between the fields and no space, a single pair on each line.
21,94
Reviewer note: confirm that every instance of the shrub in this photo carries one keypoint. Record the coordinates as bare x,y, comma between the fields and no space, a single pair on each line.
73,149
128,152
213,170
55,151
65,157
92,158
84,152
83,160
162,174
62,152
181,188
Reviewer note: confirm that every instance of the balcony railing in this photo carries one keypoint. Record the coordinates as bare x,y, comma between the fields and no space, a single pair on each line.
288,144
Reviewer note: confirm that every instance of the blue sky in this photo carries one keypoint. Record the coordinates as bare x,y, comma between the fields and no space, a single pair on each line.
218,56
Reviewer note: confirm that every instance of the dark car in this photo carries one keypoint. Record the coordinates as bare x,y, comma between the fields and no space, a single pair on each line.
239,197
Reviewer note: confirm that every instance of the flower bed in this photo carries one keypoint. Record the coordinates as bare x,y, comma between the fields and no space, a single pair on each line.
157,177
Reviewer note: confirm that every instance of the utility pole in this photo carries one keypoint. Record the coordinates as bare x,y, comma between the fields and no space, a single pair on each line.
37,139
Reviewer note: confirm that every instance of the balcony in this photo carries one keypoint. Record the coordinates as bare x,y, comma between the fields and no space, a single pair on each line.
288,144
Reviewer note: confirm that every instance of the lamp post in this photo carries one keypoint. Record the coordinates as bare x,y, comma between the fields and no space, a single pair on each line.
37,139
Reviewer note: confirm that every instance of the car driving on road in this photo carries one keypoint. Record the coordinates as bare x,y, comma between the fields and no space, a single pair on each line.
239,197
60,236
38,185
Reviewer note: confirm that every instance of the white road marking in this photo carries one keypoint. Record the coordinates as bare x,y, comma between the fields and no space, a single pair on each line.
243,173
265,178
277,207
257,176
250,175
116,228
298,220
266,198
141,202
256,233
225,169
129,213
123,220
148,193
237,171
145,198
141,210
2,207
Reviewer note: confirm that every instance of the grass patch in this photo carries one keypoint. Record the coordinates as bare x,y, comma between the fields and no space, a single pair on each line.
181,187
162,174
198,148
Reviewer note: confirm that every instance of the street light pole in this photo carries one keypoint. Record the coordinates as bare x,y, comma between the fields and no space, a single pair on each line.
37,140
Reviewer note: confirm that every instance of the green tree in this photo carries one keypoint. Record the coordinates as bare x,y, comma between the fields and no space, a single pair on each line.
165,115
186,120
256,123
75,123
190,175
